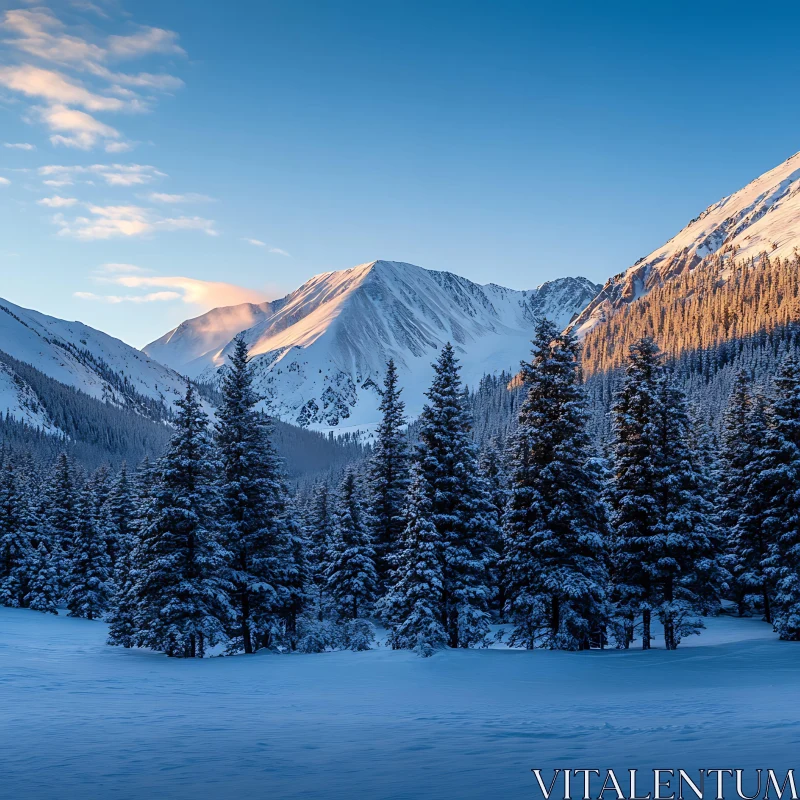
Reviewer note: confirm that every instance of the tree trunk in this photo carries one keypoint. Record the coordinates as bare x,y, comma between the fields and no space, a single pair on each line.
646,614
247,640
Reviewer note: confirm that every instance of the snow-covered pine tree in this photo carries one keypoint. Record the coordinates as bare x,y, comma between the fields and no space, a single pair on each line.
180,568
493,471
388,473
15,540
252,505
460,507
778,478
736,457
62,497
750,541
351,573
555,531
688,577
413,605
119,514
320,537
125,514
43,583
633,495
90,567
294,582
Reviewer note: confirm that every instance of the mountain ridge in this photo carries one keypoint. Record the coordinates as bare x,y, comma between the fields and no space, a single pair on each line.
319,353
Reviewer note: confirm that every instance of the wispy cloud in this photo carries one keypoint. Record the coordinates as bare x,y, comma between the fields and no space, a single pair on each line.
68,68
4,182
151,297
191,197
111,174
110,222
258,243
19,145
159,288
57,202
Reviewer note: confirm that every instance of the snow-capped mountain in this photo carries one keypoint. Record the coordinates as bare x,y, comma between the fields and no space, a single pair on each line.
79,356
320,353
764,216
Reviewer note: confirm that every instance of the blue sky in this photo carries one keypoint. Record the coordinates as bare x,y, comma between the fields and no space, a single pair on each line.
170,157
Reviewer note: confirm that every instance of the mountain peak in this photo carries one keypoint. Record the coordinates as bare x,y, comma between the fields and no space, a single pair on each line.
763,216
319,353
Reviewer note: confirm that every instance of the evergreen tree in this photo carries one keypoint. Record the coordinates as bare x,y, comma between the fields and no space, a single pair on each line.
61,519
352,576
179,566
737,455
460,507
634,500
252,506
43,587
388,473
15,542
125,519
493,471
555,559
778,477
750,540
90,567
320,539
688,576
412,606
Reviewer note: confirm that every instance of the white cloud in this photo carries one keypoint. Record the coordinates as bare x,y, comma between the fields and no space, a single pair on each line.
57,202
112,174
145,42
58,183
151,297
258,243
191,197
4,181
19,145
56,88
208,294
109,222
39,34
127,269
83,129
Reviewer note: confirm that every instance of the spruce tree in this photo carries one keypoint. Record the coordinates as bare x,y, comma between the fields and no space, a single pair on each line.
320,538
412,606
750,541
125,514
689,578
737,454
388,473
555,558
460,507
351,573
90,566
43,586
493,471
62,497
15,540
633,496
179,566
778,477
252,507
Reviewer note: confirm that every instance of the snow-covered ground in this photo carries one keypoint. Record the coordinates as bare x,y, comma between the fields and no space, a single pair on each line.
79,719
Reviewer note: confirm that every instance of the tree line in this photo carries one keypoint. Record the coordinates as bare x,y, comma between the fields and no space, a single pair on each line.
564,544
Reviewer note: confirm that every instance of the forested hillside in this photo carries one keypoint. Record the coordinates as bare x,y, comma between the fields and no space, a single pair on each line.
720,300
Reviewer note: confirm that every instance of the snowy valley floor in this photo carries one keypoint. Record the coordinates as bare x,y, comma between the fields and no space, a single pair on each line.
79,719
